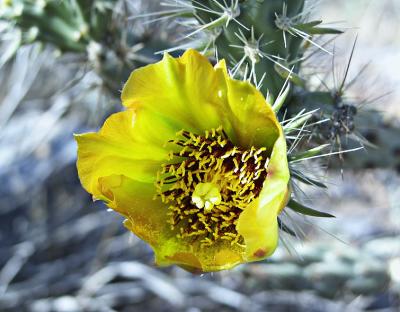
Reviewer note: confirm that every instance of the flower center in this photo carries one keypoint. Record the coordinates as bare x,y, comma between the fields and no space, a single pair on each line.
206,195
208,183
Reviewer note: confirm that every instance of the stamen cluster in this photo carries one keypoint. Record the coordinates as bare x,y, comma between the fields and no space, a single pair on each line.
210,162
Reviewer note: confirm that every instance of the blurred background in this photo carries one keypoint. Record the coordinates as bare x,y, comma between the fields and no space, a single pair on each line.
59,251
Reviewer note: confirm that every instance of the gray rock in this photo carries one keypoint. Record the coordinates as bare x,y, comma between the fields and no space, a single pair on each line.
386,248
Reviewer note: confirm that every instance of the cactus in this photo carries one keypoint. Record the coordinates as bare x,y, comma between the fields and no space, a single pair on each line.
348,126
329,270
267,37
259,39
269,40
262,41
96,30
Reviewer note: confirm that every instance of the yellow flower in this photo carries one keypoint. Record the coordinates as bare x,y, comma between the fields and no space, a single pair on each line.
197,164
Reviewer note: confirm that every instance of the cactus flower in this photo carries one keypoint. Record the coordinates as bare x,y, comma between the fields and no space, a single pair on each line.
196,164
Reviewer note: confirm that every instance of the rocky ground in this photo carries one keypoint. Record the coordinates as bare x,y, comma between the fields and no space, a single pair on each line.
60,252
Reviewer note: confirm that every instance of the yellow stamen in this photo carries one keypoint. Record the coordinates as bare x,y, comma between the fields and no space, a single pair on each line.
207,191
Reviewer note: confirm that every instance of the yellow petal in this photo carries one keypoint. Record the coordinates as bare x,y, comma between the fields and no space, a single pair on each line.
146,218
183,90
258,222
145,215
189,255
120,147
251,117
255,124
119,163
192,95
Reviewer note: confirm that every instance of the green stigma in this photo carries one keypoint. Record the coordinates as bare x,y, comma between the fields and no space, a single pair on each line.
206,195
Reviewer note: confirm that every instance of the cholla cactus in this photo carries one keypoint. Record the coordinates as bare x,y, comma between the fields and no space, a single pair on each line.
226,180
262,37
63,23
263,42
96,30
270,41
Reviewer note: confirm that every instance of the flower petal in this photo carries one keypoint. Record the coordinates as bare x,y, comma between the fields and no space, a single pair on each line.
146,218
252,118
192,95
120,147
183,90
145,215
258,222
119,164
195,258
